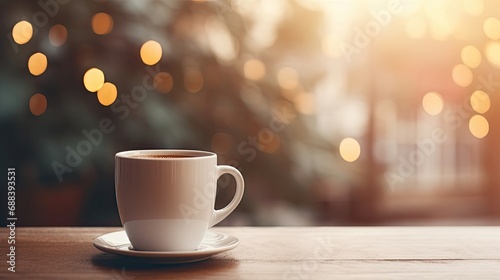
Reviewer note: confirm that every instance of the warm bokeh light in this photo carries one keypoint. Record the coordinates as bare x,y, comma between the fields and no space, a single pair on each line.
163,82
289,94
432,103
37,64
349,149
285,90
492,53
193,80
93,79
330,46
491,28
478,126
471,56
462,75
58,35
221,42
107,94
288,78
473,7
480,101
269,141
38,104
305,103
441,25
151,52
222,142
254,69
415,27
102,23
22,32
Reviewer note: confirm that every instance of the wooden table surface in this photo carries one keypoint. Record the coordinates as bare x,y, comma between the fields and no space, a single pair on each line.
272,253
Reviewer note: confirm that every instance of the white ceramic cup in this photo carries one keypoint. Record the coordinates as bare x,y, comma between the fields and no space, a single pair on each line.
167,204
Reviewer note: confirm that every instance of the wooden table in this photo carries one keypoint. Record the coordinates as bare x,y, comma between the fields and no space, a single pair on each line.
273,253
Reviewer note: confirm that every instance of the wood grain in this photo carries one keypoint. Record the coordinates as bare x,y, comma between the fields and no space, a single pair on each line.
273,253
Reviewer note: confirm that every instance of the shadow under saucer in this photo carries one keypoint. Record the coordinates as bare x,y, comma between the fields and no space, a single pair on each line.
126,266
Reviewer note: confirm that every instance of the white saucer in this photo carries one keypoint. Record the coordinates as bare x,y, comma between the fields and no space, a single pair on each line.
213,243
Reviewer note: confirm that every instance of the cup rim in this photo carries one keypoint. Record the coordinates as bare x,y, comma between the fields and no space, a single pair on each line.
193,154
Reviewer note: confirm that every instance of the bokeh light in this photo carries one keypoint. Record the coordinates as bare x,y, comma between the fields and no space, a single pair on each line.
107,94
93,79
491,28
415,27
441,25
289,94
288,78
102,23
37,64
478,126
473,7
462,75
471,56
38,104
480,101
193,80
151,52
269,141
305,103
254,69
330,46
22,32
492,53
163,82
432,103
349,149
58,35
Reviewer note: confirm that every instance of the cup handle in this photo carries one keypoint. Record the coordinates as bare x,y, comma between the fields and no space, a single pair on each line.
221,214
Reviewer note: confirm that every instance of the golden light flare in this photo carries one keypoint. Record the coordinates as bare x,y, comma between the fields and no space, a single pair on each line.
37,64
305,103
193,80
93,80
288,78
480,101
492,53
102,23
107,94
491,28
471,56
349,149
151,52
462,75
163,82
58,35
22,32
478,126
254,69
432,103
38,104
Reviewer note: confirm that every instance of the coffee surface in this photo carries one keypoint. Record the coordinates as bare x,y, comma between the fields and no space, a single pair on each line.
162,156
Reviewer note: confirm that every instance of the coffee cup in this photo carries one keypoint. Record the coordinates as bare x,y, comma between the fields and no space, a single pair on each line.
166,198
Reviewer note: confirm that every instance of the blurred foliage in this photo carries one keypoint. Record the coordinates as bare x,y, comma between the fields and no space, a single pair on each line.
258,129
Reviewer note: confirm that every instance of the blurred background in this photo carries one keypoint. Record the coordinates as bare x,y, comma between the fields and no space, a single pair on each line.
336,112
